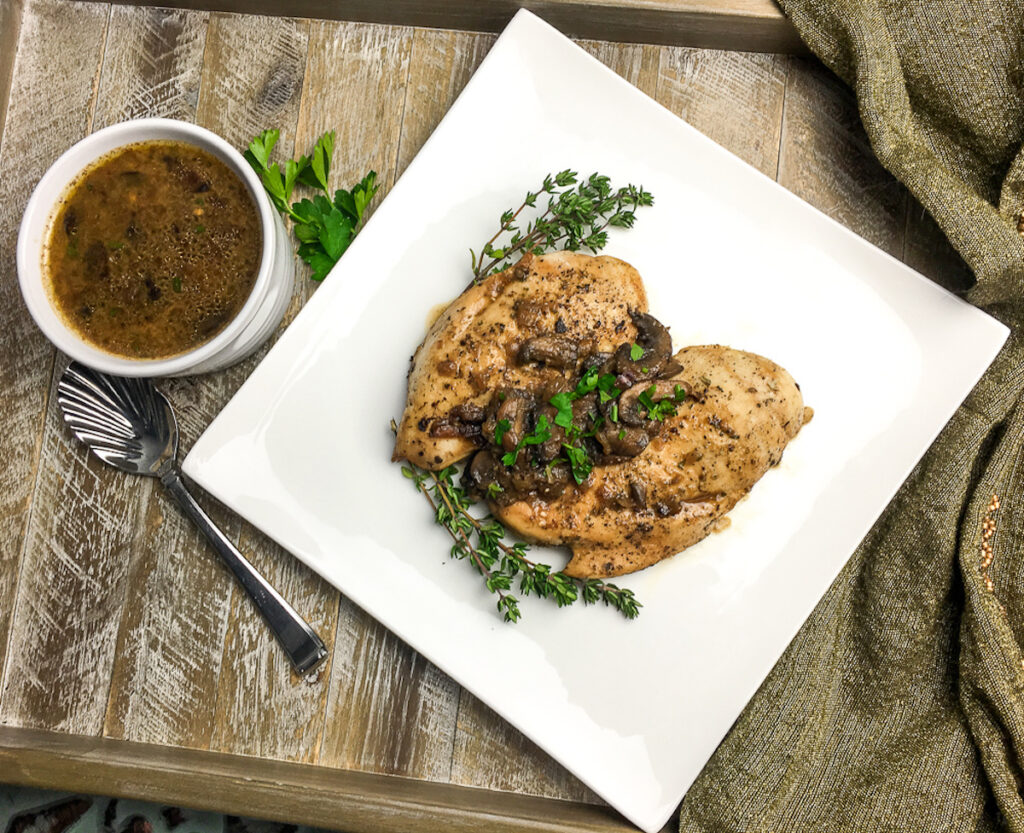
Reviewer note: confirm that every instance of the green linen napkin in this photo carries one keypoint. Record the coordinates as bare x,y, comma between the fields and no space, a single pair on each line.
900,704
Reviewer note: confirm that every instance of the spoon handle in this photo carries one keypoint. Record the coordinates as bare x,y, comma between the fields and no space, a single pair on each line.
300,642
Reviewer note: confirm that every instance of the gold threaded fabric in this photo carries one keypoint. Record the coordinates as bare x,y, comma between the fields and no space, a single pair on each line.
900,704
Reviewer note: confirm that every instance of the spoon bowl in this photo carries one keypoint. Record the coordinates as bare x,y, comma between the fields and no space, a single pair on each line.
129,424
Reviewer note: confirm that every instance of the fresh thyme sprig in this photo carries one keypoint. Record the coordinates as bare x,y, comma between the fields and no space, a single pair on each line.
481,542
575,218
325,227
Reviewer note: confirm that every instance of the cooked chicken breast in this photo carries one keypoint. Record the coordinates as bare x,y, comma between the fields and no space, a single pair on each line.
586,431
471,351
743,411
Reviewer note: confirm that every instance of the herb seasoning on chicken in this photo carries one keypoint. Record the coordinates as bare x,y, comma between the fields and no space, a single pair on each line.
582,427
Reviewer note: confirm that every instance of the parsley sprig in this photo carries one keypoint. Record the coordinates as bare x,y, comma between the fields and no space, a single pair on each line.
578,216
325,227
481,542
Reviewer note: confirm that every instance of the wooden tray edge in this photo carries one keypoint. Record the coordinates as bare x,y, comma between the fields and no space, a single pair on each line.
356,802
740,25
10,27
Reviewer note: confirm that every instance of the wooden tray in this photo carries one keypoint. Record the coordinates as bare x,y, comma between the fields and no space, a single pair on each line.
131,665
747,25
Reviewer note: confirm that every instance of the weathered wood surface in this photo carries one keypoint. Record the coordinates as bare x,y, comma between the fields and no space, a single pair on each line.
10,26
380,690
116,623
335,799
752,25
49,628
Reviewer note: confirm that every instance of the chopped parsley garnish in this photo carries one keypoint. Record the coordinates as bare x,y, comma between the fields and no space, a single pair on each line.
540,435
576,454
606,389
587,383
579,461
636,352
563,402
662,408
645,399
591,381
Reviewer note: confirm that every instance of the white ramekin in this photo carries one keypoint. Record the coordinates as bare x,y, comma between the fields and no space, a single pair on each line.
259,316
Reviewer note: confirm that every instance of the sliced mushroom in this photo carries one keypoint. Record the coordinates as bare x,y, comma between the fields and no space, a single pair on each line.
481,472
655,343
515,409
467,412
621,441
630,410
669,369
552,447
552,481
554,351
584,411
602,361
652,335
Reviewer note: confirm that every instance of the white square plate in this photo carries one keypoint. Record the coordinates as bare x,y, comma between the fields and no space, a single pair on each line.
884,357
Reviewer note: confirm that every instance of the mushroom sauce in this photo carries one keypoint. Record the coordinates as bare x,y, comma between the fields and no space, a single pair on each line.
153,250
599,409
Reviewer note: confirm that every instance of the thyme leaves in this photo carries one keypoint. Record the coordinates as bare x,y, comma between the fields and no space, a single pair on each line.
505,566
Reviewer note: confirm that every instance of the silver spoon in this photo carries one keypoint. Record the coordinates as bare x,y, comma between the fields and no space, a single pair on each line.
129,424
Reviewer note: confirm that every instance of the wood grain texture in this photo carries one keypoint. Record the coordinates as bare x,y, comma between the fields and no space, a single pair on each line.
152,64
490,754
263,707
353,83
252,77
10,27
749,25
57,629
389,710
826,158
252,80
167,684
288,792
735,98
442,63
163,677
639,64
